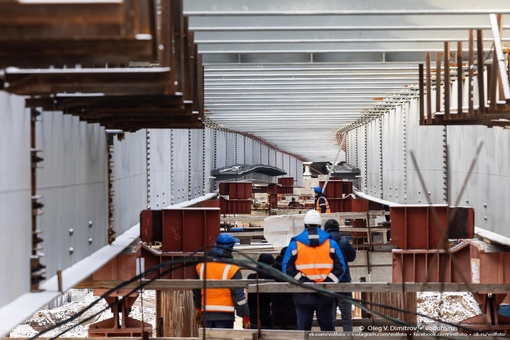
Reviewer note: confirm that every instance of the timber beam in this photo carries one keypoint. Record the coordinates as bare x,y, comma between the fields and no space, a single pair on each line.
268,286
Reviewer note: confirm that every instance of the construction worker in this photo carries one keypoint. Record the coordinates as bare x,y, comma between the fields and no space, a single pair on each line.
332,227
313,256
260,303
220,305
283,311
293,203
321,202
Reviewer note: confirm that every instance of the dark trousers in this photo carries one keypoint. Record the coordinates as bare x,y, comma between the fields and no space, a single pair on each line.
219,324
324,317
346,310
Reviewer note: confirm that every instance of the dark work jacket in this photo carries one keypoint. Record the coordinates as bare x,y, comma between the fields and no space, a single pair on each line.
283,314
289,264
264,305
347,250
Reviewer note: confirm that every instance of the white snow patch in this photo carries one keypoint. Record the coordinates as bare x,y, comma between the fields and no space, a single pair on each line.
46,318
452,307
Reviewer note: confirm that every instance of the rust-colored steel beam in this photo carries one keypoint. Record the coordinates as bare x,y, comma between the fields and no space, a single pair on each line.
480,69
460,79
446,85
421,95
471,65
122,267
37,269
429,89
490,111
438,84
43,34
423,226
492,71
466,262
112,82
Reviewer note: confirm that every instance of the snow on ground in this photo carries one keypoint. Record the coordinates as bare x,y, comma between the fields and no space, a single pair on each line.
451,307
46,318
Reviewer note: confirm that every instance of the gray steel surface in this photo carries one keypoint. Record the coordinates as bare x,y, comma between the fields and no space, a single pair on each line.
291,73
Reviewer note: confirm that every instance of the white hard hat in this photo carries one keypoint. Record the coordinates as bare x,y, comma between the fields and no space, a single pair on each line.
312,217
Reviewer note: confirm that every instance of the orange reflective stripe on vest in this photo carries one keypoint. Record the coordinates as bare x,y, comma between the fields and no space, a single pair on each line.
217,299
315,262
318,205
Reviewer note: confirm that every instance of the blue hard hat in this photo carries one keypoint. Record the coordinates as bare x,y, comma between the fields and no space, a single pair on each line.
226,240
317,189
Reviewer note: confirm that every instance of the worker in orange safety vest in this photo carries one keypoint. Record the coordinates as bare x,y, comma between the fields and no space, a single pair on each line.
220,305
313,256
321,202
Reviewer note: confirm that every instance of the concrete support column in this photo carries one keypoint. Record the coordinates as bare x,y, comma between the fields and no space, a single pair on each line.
307,172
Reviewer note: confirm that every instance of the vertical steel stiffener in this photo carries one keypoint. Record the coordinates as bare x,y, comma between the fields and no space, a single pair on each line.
111,191
37,269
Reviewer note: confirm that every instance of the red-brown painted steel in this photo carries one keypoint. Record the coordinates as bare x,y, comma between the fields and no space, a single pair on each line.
286,185
189,229
239,190
150,226
334,189
432,265
286,181
121,267
419,227
467,261
429,227
213,203
461,222
356,204
239,197
228,206
172,265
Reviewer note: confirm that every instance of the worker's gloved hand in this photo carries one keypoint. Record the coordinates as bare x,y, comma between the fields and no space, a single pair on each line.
198,316
246,322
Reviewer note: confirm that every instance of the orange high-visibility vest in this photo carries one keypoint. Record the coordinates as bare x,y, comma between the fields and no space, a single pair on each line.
318,206
217,299
315,262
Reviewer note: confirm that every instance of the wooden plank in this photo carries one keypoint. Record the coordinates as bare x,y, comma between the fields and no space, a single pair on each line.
246,233
114,338
395,333
405,301
175,309
260,233
218,333
338,215
268,286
